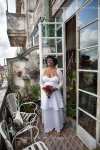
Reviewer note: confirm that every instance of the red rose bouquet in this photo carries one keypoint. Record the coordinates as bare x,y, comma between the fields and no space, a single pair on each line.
48,89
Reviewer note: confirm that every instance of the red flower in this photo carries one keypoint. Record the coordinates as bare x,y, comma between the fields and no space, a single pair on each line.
48,90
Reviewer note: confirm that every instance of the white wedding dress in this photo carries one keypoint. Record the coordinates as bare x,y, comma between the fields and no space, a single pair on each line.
52,107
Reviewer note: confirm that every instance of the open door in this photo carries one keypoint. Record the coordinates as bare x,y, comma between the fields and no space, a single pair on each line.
51,42
70,29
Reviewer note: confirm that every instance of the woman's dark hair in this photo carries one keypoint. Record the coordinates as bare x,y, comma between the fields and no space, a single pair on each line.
53,58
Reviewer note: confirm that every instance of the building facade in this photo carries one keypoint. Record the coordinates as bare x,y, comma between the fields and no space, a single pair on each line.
70,31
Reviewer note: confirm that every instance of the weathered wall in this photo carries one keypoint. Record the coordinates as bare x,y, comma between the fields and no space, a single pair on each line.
56,5
19,66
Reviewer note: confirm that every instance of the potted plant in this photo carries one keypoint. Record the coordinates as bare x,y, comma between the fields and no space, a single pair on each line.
19,73
34,73
32,93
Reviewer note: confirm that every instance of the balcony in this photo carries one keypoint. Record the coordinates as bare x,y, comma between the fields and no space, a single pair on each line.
16,29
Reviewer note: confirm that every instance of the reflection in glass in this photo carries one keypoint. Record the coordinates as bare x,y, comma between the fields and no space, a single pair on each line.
51,30
59,31
88,103
88,81
88,13
81,2
70,8
88,59
59,46
88,123
60,61
89,36
48,30
48,46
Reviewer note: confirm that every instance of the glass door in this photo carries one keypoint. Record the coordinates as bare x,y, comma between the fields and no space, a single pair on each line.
87,70
51,42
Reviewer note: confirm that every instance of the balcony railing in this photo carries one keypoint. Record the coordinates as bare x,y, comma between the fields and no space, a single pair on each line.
16,29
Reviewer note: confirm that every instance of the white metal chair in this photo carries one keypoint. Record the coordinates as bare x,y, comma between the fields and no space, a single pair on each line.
5,134
14,108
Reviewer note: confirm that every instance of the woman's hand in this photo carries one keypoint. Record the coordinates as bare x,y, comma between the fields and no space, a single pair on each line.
54,89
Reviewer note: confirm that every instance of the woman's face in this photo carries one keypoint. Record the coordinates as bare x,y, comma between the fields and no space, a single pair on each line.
50,62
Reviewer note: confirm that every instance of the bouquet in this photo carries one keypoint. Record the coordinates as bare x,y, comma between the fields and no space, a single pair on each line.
48,89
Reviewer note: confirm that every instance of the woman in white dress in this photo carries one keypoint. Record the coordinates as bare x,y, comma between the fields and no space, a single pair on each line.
52,105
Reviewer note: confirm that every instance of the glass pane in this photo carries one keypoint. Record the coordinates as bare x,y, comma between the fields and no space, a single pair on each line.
51,30
88,81
88,103
88,13
88,123
59,31
70,9
48,30
49,46
89,36
60,61
88,59
81,2
59,46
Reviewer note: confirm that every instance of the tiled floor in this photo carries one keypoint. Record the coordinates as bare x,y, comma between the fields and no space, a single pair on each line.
67,141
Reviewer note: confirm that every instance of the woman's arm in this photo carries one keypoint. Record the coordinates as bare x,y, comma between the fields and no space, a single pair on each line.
59,73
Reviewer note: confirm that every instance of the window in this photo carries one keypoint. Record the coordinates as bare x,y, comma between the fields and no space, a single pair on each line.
88,36
70,9
88,13
88,123
88,103
88,81
88,59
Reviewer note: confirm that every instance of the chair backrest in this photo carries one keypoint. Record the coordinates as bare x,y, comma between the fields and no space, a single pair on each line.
5,134
13,103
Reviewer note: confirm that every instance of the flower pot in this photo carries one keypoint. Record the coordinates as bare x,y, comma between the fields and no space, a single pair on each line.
34,74
19,73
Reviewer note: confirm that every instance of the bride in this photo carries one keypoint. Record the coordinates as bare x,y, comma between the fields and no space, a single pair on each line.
52,105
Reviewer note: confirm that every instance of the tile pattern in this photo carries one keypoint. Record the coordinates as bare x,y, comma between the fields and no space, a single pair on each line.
67,141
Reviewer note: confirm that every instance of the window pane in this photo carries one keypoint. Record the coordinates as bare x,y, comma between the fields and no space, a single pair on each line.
51,30
60,61
87,123
88,59
88,81
59,46
88,103
81,2
89,36
70,9
59,31
48,46
48,30
88,13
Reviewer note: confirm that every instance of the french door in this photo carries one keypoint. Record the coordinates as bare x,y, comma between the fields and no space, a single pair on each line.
51,42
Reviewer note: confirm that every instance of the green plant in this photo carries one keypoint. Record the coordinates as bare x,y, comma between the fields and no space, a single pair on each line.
34,92
29,108
71,110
